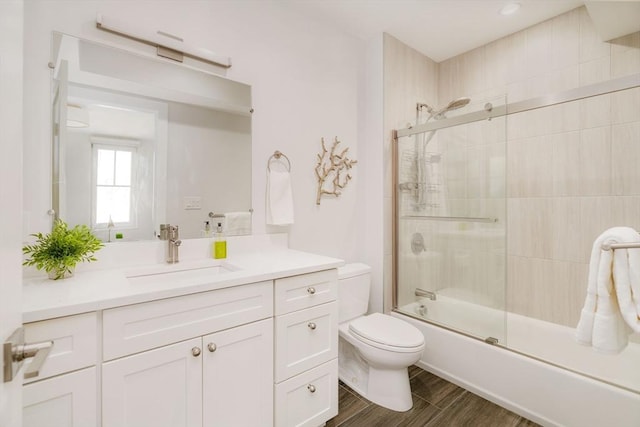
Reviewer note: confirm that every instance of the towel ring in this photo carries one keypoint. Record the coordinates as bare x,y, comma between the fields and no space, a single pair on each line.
277,155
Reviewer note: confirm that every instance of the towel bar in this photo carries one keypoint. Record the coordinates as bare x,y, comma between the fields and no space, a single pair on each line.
277,155
612,246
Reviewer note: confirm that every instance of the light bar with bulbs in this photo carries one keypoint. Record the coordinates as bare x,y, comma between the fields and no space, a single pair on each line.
168,45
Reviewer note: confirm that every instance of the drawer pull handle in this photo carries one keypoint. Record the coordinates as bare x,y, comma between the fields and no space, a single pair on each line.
212,347
311,290
312,326
195,351
311,388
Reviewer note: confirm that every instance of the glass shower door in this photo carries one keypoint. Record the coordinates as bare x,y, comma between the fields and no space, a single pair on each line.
450,241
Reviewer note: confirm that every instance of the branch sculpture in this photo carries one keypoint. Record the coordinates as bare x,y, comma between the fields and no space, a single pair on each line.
334,167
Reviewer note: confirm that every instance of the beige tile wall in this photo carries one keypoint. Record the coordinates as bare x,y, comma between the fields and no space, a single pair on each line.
409,78
572,169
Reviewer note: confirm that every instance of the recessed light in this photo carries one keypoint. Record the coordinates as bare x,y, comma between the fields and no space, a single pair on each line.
510,8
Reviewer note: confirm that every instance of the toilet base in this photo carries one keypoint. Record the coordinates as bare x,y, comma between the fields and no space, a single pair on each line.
389,388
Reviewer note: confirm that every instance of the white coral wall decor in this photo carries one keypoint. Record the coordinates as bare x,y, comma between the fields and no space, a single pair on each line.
334,169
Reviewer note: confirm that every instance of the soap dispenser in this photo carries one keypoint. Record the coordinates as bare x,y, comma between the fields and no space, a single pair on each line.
207,229
219,243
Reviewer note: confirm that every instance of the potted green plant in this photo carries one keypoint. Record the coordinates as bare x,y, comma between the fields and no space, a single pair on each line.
58,252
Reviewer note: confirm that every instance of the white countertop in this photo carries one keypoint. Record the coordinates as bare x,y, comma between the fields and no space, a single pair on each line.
99,289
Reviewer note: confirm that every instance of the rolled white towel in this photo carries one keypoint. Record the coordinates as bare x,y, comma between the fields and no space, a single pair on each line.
626,277
610,308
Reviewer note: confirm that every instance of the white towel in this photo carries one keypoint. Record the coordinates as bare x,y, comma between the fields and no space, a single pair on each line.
626,275
613,293
279,198
237,223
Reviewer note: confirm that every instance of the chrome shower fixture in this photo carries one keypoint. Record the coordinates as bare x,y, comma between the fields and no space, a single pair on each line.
440,114
457,103
420,106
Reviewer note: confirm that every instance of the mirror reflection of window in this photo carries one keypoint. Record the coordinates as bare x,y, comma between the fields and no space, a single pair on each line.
114,188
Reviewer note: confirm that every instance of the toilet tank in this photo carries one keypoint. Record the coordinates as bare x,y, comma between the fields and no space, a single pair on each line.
354,283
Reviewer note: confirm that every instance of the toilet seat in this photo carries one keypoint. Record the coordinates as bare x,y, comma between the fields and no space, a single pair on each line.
388,333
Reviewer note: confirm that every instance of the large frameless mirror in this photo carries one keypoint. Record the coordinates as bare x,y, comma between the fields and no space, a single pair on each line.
139,141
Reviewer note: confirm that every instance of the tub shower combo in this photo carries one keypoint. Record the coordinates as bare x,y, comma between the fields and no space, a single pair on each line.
482,250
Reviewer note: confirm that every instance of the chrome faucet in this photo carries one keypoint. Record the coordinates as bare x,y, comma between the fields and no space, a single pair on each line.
170,233
422,293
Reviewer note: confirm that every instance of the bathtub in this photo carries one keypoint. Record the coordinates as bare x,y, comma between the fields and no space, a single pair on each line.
580,395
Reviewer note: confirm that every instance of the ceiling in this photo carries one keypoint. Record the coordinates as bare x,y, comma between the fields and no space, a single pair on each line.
440,29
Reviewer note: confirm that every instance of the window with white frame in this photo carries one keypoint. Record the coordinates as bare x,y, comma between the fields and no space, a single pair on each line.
114,188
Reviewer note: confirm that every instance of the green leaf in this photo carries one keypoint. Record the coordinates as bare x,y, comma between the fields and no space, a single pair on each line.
62,249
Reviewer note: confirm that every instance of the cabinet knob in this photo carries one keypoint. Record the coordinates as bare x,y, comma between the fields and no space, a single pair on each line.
212,347
311,290
311,325
311,388
195,351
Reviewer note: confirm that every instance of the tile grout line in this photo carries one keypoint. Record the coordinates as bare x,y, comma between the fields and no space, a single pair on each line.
367,404
352,416
440,411
443,410
454,400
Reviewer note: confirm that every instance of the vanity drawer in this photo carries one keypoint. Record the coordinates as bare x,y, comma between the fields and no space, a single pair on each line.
305,339
139,327
309,399
306,290
64,400
74,343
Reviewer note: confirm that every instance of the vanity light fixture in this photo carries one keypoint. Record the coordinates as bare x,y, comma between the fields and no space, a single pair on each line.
510,8
168,45
77,116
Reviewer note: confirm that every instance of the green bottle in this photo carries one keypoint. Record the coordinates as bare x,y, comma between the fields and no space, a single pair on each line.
219,244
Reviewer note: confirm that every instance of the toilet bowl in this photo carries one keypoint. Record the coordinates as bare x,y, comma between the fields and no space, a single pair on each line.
375,350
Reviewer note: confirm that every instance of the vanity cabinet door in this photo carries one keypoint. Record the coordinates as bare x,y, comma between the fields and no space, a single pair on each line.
67,400
156,388
238,376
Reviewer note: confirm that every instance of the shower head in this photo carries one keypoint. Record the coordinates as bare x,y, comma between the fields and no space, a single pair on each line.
440,114
453,105
457,103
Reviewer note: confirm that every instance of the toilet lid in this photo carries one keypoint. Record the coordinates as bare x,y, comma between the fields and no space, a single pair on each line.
387,330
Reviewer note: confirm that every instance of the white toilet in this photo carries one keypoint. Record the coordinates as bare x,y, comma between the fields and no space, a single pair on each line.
374,350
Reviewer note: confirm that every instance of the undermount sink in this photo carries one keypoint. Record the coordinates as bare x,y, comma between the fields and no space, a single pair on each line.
179,272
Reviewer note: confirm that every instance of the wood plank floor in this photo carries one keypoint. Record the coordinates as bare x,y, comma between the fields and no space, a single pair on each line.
436,403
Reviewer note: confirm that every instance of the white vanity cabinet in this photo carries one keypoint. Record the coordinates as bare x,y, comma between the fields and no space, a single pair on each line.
65,389
256,354
306,349
209,380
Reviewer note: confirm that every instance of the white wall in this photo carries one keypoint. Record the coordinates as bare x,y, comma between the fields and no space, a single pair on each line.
305,78
370,188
